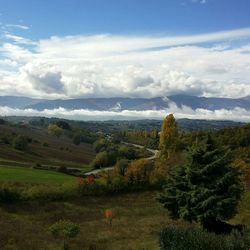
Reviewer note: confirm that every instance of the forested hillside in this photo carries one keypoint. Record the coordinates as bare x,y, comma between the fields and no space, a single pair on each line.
45,160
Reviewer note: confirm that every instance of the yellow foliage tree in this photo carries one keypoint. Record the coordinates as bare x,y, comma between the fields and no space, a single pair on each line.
168,137
139,171
55,130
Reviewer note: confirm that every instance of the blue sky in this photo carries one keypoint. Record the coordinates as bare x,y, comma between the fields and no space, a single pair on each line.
129,48
175,17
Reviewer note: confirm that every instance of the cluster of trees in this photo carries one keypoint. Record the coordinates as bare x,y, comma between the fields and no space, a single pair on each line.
21,142
200,178
18,142
109,151
150,138
77,135
206,189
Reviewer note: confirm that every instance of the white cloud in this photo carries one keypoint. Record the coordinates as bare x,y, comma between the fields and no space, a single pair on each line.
236,114
18,26
16,53
132,66
18,39
108,45
43,77
200,1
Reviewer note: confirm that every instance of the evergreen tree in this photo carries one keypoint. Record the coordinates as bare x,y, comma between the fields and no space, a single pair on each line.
168,136
207,189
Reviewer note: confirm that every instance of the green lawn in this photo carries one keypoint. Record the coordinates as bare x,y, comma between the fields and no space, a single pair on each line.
21,174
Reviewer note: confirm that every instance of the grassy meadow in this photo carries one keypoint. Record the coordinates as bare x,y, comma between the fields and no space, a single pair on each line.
137,223
29,175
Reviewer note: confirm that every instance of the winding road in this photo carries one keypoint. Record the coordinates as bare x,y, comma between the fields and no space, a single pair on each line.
153,151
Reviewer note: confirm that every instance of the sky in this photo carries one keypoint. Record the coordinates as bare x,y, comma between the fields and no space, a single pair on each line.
126,48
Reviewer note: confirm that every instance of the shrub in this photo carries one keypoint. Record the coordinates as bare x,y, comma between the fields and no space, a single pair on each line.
9,193
77,139
21,143
55,130
63,125
100,145
121,167
29,139
62,169
6,139
88,189
64,229
101,160
125,151
37,165
189,238
50,192
118,185
2,121
139,171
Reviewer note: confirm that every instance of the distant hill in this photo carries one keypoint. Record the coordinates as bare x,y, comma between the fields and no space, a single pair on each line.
121,103
18,101
211,103
43,148
113,126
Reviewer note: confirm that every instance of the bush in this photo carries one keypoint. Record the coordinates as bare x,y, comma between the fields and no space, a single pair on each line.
37,165
189,238
6,139
55,130
9,193
77,139
63,125
100,145
118,185
62,169
65,230
89,189
139,171
128,152
101,160
20,143
121,167
50,193
2,121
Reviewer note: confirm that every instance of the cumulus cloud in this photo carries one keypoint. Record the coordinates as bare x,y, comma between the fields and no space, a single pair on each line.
43,77
127,66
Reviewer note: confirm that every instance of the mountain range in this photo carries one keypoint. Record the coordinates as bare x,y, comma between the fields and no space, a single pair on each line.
121,103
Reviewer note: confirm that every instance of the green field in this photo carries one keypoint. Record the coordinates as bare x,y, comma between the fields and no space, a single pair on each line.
29,175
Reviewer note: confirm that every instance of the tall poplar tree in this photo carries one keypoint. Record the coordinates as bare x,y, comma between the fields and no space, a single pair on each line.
168,137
